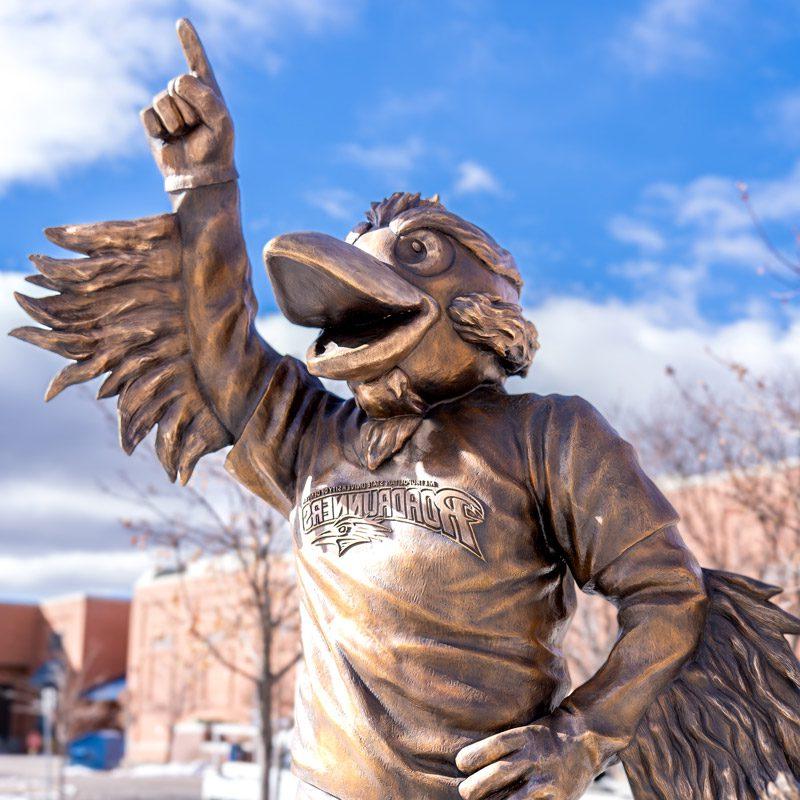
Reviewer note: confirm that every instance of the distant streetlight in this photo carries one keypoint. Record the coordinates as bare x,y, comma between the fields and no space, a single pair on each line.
48,703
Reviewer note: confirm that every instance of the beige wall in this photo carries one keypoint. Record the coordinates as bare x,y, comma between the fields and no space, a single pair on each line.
106,633
182,630
720,523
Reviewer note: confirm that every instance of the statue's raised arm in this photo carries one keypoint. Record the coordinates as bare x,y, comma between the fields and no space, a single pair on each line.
164,304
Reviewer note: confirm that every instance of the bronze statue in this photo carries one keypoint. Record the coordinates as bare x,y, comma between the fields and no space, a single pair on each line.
440,524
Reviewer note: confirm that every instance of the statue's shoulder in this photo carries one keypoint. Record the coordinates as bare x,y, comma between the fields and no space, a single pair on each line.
559,405
532,414
558,412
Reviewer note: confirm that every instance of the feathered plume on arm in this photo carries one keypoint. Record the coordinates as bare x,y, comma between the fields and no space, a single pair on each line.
729,726
121,310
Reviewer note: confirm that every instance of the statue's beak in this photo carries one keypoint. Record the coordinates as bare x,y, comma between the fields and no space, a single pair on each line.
371,318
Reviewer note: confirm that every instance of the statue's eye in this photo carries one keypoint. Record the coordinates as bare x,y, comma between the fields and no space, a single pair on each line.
410,250
425,252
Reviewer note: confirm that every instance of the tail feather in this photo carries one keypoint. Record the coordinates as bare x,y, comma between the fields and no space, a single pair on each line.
728,728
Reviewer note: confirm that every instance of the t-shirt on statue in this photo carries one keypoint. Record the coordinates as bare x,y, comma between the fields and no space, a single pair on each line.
435,590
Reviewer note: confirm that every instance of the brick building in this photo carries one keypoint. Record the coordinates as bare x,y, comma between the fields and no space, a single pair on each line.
192,659
92,632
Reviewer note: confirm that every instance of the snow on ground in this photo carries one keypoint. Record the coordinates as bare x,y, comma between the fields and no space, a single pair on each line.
22,778
609,789
159,770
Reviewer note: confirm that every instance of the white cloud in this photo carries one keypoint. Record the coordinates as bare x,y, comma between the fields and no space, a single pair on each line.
393,160
703,230
29,499
744,248
474,178
778,199
226,17
615,353
77,72
339,204
637,268
86,571
666,35
710,215
53,461
78,79
594,349
711,202
637,232
285,337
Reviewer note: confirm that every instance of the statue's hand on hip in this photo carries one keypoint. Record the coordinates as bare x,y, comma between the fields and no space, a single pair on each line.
190,128
544,761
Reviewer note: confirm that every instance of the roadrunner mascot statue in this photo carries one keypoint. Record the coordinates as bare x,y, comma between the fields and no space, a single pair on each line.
440,524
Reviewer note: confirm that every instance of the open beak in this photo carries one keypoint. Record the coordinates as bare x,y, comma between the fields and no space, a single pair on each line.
370,317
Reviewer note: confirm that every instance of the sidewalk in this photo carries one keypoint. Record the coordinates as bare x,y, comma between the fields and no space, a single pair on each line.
26,778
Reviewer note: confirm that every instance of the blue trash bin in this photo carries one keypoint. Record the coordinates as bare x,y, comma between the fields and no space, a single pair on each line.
97,750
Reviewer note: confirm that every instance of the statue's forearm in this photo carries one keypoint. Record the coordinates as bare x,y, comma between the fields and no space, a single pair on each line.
659,591
232,362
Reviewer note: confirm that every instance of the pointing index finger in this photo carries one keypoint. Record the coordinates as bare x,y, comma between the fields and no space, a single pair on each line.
195,53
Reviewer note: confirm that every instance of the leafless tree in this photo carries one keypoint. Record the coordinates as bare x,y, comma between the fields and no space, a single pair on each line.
216,529
731,462
783,269
75,713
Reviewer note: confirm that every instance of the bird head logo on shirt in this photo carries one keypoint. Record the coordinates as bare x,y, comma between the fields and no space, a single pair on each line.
348,531
417,306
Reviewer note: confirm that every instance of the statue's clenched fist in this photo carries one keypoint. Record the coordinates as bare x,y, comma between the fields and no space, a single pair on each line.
550,760
190,129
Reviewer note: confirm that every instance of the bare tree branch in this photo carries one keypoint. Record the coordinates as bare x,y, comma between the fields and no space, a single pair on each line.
234,593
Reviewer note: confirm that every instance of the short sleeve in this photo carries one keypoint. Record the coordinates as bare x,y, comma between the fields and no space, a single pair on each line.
265,456
594,496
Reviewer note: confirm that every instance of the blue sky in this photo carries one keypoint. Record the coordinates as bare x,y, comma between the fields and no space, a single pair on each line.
600,143
548,124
